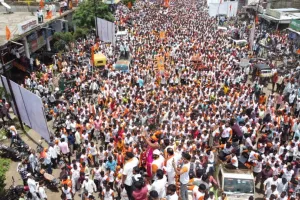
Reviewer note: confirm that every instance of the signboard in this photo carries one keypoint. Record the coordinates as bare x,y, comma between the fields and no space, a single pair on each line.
27,25
295,25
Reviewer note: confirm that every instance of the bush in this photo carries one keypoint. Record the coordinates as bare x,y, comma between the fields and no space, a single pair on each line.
4,163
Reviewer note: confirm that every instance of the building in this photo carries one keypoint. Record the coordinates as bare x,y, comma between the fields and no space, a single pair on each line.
28,35
279,18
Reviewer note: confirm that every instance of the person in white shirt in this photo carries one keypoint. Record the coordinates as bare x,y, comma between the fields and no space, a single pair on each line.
108,193
159,184
33,186
75,171
168,167
128,172
184,175
171,192
271,181
33,161
128,139
41,190
283,196
53,155
89,185
271,191
67,191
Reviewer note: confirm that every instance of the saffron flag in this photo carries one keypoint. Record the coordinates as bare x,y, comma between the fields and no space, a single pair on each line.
7,33
256,19
42,4
162,35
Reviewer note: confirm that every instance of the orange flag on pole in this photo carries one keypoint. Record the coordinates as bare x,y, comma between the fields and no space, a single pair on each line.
7,33
42,4
92,54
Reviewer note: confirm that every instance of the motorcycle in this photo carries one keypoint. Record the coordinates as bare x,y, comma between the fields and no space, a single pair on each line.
12,153
20,145
14,192
50,181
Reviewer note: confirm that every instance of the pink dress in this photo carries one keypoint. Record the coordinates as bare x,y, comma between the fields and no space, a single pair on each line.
149,160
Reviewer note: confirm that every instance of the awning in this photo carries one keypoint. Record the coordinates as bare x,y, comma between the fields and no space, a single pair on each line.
273,19
293,31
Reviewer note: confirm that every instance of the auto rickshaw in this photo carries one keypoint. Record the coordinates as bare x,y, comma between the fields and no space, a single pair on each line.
100,60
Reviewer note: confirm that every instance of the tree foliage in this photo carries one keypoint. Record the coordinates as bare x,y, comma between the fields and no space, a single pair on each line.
80,32
125,2
4,163
62,39
85,14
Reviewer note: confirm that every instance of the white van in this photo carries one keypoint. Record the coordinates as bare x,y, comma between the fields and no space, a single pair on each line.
122,35
237,184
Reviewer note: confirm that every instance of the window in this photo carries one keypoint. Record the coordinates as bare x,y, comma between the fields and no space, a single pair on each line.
238,185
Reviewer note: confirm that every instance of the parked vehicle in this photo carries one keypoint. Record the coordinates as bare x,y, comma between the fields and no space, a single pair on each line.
20,145
15,191
50,181
11,153
237,184
100,60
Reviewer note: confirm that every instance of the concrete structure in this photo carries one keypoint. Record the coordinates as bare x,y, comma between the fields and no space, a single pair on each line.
28,35
281,16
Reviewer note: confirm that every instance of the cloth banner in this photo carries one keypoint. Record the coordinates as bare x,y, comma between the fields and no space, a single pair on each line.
106,30
30,107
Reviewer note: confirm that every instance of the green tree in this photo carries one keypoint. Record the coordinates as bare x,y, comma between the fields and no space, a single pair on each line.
4,163
62,39
125,2
80,32
85,14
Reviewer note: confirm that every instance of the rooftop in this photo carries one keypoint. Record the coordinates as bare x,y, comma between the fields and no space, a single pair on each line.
12,21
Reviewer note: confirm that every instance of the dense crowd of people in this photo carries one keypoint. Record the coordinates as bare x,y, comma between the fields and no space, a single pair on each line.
161,132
